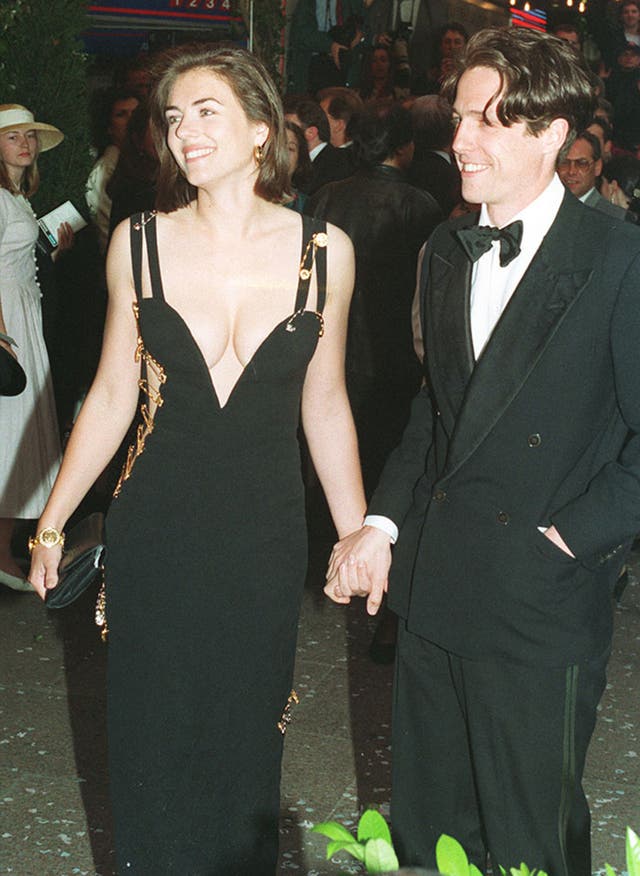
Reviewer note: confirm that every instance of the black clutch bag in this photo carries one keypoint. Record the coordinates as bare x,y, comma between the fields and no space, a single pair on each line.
12,378
81,563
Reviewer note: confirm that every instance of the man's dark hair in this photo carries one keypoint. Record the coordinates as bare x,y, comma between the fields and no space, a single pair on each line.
382,130
566,27
343,102
625,170
432,122
311,114
593,141
456,27
605,106
341,108
347,111
541,79
605,127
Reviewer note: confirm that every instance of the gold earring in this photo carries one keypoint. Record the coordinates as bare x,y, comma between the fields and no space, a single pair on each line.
258,154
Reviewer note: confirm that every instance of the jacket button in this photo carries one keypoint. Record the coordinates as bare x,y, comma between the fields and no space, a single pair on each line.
439,496
502,517
534,440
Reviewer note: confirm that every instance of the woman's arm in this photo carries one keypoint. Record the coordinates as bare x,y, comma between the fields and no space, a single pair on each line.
326,414
105,415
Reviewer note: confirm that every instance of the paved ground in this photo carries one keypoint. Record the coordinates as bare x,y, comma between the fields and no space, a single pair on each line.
54,817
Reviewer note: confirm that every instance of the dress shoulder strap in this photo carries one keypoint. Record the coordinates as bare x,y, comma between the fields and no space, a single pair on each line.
135,241
314,251
139,225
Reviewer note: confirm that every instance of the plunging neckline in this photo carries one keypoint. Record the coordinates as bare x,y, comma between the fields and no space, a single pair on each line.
214,391
307,238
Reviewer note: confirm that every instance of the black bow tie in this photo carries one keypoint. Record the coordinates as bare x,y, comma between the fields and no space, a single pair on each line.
478,239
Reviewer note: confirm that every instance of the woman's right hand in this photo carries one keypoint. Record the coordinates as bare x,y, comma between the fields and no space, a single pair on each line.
43,574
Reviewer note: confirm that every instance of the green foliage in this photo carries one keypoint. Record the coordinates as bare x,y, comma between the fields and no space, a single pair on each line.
42,66
632,849
374,849
452,859
268,23
373,846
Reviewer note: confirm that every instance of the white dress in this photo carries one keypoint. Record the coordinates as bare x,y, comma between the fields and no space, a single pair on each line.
29,443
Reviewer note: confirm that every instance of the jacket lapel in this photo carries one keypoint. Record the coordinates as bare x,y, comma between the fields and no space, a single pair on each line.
448,328
542,300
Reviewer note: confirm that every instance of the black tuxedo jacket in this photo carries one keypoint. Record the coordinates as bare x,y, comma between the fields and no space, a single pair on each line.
543,429
330,165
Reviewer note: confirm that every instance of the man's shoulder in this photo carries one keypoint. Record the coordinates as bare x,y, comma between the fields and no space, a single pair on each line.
597,202
444,234
612,228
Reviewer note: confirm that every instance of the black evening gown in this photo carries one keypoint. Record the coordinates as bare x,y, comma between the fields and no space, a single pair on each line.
207,560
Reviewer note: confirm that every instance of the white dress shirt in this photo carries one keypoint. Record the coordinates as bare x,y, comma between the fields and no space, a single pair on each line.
492,285
316,151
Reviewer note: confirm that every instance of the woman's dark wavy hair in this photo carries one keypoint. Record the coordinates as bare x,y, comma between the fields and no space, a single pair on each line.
541,79
258,97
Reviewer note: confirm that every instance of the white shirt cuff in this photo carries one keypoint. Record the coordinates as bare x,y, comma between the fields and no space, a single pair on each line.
384,524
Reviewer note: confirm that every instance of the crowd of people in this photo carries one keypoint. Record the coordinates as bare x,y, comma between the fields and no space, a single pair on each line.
484,418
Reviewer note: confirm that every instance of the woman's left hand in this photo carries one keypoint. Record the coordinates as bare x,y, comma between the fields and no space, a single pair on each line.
66,239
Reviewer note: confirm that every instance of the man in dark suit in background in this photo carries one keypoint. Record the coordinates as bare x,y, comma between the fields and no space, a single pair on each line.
328,163
388,221
516,487
432,168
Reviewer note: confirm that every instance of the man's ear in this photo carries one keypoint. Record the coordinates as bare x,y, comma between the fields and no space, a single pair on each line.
555,135
598,167
310,133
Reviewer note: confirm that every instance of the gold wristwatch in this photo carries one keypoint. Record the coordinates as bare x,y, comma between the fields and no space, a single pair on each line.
48,537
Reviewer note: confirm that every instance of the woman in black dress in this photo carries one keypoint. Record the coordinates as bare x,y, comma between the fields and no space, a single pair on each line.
237,309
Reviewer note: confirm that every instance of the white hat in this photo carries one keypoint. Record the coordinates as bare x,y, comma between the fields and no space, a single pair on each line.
14,117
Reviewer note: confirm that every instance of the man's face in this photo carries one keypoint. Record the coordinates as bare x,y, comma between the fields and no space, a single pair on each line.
336,126
605,145
569,36
630,17
504,168
629,59
578,171
452,44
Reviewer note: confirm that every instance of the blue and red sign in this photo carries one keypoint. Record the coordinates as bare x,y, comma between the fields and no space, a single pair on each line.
123,25
534,19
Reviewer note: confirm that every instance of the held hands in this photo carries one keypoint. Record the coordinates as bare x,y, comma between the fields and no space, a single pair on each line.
359,566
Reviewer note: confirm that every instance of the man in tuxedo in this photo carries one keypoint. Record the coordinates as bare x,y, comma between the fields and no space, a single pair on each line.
516,486
328,163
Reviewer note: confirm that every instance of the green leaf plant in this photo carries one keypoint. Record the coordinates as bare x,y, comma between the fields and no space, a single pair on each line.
373,846
374,849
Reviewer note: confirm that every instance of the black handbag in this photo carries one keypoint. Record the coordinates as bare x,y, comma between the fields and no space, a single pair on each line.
12,377
82,561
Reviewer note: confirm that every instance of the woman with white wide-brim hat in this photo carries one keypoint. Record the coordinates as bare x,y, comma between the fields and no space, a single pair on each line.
31,447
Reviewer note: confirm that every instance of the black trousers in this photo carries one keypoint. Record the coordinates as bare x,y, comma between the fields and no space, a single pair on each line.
492,753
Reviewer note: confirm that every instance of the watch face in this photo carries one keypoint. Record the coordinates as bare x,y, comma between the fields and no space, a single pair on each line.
49,537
